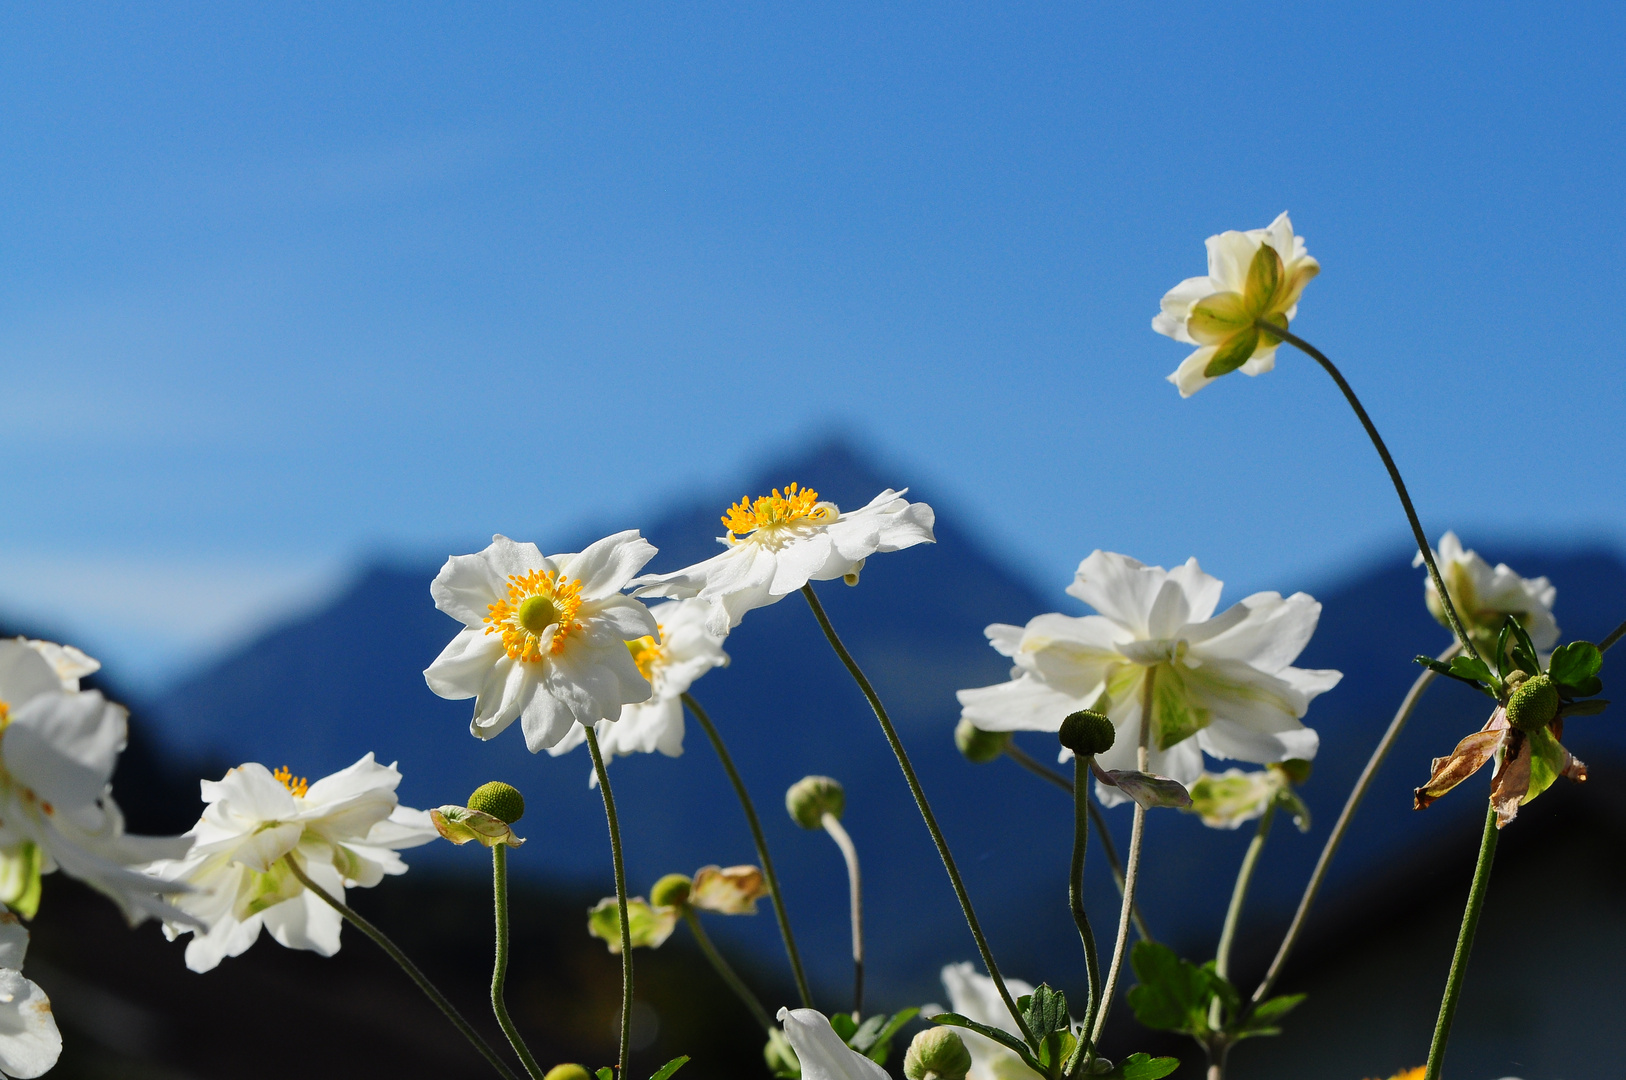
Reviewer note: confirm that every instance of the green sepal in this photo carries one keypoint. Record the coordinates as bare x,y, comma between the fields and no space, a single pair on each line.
670,1067
20,878
1501,650
605,1073
1055,1050
874,1037
1237,350
1263,1019
1143,1067
1547,761
1449,671
1045,1010
1584,708
1524,653
1003,1038
1295,807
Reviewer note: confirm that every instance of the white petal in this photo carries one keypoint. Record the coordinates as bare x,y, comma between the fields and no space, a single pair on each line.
463,665
616,619
1189,377
595,681
1229,256
820,1050
1023,704
606,566
13,940
29,1040
1224,739
507,689
466,587
547,720
1176,307
64,745
1270,636
24,673
1121,588
798,562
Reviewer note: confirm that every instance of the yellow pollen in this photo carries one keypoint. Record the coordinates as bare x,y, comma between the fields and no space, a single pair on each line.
646,653
535,601
769,511
296,785
5,715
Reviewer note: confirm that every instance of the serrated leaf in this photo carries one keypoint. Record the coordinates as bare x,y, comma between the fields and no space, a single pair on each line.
670,1067
1469,667
1584,708
1574,664
1046,1011
1143,1067
1003,1038
1173,994
1264,1019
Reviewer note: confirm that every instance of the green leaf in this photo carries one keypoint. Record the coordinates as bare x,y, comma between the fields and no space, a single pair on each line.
1471,668
1054,1050
670,1067
1440,668
1173,994
1501,649
1575,665
1143,1067
1264,1019
1046,1011
845,1026
605,1073
1003,1038
1524,653
1584,708
880,1047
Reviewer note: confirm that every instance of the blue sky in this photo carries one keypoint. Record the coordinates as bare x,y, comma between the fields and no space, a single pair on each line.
285,286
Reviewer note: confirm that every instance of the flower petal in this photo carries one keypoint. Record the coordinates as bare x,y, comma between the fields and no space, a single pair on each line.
823,1054
461,669
1469,757
606,566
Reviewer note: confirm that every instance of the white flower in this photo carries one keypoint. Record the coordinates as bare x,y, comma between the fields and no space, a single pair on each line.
545,638
1224,683
1484,597
58,748
675,656
343,831
974,996
29,1040
824,1056
778,543
1253,276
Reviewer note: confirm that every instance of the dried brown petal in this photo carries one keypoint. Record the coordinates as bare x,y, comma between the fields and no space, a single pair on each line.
1512,780
731,890
1468,758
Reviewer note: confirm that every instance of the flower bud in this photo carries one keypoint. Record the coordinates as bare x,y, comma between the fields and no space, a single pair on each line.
502,801
1534,704
937,1054
671,891
1297,770
568,1072
728,890
977,745
811,797
1087,733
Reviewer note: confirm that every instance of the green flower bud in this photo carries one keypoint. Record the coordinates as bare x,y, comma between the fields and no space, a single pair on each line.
1297,770
502,801
1534,704
811,797
568,1072
977,745
1087,733
671,891
937,1054
779,1056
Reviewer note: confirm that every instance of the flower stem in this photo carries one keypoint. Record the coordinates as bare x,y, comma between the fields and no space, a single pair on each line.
499,971
406,965
1075,884
919,793
1132,874
1465,944
727,973
1239,893
620,900
761,842
1022,758
1423,546
1614,635
855,890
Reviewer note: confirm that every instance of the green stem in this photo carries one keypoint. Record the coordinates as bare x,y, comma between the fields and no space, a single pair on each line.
1614,635
1239,893
855,896
499,971
1351,804
925,808
1465,944
620,900
1098,819
1075,884
1423,546
727,973
761,842
406,965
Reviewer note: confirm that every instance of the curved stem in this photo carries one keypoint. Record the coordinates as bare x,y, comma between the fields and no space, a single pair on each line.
620,900
925,811
1336,837
499,970
1239,893
761,842
1614,635
1465,944
1075,885
855,890
727,973
1423,546
1098,819
406,965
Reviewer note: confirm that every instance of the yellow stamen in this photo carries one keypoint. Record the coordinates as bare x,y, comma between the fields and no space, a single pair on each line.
296,785
5,715
772,511
536,601
646,653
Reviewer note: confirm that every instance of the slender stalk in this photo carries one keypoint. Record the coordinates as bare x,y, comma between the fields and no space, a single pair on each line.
1219,1047
1098,819
855,890
406,965
1347,815
1075,884
925,811
1394,474
761,842
1614,635
1132,875
727,973
1465,944
499,970
620,900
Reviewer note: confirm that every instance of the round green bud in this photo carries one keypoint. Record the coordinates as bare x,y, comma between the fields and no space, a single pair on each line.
811,797
568,1072
502,801
937,1054
671,891
977,745
537,613
1297,770
1087,733
1534,704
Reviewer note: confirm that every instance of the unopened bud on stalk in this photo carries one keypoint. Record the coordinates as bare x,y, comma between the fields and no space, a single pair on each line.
671,891
1087,733
937,1054
1534,704
811,797
502,801
977,745
1297,770
568,1072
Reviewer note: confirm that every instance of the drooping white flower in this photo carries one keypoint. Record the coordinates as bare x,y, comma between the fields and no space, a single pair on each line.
1224,683
778,543
823,1054
681,650
58,748
343,831
1484,597
544,638
1253,276
974,996
29,1040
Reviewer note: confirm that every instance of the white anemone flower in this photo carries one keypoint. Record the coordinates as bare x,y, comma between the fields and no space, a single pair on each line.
777,543
59,746
974,996
343,831
29,1040
1253,276
1484,597
822,1053
680,651
1224,683
545,636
